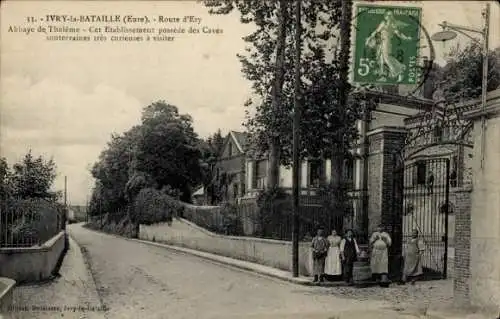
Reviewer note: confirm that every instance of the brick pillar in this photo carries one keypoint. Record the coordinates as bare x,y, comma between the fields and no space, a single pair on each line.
461,272
383,206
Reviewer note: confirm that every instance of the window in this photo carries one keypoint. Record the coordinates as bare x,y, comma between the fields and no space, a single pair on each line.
315,171
437,134
349,171
259,176
254,175
230,148
420,177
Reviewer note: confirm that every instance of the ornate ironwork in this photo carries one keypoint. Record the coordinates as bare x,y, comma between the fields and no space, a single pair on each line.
442,124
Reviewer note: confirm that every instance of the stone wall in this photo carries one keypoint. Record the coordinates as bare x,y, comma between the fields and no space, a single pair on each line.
273,253
485,207
33,263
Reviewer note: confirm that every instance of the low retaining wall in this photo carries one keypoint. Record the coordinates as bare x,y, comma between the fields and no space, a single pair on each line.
6,291
273,253
32,263
269,252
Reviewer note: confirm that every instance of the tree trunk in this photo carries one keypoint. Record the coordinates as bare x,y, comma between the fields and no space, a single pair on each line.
337,171
277,93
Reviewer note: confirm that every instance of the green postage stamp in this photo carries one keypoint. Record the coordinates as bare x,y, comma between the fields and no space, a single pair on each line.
386,45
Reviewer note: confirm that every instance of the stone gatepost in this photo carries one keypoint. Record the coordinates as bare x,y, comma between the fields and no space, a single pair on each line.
485,209
385,143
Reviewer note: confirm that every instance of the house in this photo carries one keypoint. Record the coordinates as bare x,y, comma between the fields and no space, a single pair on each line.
407,126
247,175
230,167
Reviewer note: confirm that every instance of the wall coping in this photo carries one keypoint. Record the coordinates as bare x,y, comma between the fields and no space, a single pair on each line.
242,238
9,285
387,129
492,108
204,207
489,111
35,249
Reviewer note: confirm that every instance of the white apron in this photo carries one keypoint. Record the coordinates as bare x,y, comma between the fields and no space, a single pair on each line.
333,267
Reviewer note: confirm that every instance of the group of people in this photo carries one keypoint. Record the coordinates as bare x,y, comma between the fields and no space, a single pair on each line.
334,256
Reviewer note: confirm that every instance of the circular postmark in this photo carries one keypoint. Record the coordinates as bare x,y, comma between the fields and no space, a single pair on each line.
386,47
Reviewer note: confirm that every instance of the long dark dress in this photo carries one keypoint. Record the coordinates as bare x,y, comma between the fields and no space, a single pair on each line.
350,251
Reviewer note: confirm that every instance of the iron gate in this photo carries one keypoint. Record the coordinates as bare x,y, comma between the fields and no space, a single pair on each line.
421,201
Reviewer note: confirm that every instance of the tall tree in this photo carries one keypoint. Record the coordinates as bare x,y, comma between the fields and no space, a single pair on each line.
325,121
33,178
277,94
461,77
211,150
167,149
113,170
6,188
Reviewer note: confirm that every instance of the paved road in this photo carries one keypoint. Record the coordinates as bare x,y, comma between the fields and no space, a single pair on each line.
137,280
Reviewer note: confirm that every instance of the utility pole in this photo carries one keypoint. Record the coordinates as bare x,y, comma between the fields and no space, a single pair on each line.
65,191
65,202
296,139
484,81
87,208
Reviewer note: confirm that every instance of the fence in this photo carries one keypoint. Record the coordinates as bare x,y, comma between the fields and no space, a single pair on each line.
29,222
247,219
315,213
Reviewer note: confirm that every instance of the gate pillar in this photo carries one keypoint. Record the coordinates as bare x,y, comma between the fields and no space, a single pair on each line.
384,143
485,207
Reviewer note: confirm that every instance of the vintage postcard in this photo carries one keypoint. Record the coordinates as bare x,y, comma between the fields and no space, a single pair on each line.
249,159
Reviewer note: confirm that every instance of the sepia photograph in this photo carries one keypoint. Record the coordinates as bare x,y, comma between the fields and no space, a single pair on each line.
225,159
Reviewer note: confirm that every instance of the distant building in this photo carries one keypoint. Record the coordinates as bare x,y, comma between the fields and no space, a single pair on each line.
199,196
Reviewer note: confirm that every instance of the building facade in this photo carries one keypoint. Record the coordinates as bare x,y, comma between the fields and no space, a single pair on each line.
417,131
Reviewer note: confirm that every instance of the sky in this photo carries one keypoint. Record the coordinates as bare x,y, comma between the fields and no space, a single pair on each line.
65,99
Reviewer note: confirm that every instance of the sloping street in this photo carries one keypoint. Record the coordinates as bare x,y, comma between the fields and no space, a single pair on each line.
138,280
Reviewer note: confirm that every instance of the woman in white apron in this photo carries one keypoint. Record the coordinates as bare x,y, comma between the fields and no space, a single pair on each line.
380,241
333,265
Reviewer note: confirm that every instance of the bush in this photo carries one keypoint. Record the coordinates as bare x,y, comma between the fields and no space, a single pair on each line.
274,216
274,212
154,206
336,199
231,221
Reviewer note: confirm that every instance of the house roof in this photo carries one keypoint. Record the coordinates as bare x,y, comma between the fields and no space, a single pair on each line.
241,139
199,192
